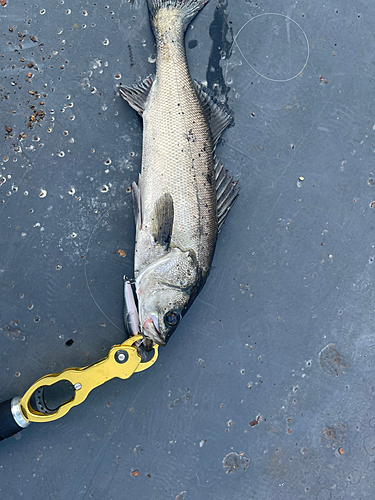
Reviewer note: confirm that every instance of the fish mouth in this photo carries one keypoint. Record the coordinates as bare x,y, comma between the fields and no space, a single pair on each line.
150,330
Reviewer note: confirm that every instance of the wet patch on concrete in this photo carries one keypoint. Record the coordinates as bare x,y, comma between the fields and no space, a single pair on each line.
333,437
331,361
235,461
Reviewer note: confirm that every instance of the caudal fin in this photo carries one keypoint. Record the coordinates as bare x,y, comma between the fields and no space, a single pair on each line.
188,8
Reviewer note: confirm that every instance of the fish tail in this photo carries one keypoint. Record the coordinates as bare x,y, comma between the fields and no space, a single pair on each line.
187,9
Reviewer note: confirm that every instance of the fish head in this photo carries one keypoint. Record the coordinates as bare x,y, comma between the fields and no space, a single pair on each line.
165,290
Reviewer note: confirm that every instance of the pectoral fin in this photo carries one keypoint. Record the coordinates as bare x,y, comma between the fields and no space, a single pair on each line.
162,221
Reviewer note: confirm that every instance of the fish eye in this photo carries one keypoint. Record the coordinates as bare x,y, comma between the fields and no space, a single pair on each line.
172,318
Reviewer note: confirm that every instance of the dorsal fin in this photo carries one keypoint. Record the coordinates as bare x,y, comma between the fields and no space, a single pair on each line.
136,95
226,192
217,115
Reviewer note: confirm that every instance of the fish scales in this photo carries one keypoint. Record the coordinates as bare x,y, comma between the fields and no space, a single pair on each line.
183,194
177,152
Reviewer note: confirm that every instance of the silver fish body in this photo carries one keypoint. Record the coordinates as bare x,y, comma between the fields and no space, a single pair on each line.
176,200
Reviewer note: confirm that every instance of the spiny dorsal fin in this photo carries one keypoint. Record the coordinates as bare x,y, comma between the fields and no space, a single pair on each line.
218,117
226,192
162,221
137,94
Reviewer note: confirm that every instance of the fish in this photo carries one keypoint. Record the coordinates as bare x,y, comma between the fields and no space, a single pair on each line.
184,193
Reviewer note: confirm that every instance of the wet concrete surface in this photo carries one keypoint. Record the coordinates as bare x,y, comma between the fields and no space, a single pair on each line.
266,389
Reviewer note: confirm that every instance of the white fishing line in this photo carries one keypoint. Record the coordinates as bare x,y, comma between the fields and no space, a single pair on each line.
87,261
252,67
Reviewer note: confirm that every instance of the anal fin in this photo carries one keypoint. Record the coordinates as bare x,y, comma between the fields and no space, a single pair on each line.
136,95
226,192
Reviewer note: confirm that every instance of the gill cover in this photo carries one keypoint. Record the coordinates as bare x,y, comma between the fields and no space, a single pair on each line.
165,291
